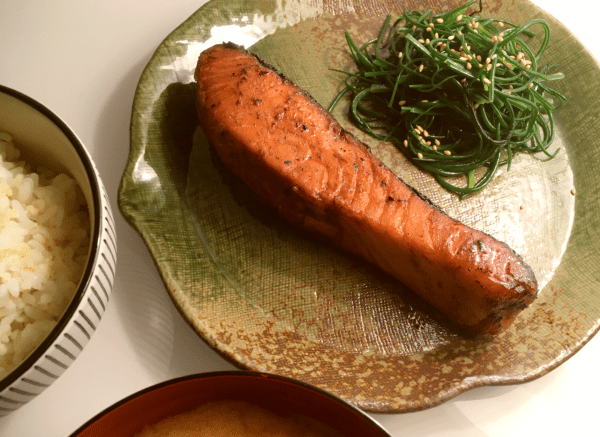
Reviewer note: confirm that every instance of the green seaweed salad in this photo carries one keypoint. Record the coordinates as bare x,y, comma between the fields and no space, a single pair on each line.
461,94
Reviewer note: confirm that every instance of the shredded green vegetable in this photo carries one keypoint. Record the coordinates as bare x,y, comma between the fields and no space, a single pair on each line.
461,95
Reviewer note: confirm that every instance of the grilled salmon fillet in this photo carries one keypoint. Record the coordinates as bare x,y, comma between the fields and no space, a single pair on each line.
294,155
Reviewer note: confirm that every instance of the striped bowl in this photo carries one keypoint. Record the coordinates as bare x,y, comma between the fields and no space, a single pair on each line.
40,133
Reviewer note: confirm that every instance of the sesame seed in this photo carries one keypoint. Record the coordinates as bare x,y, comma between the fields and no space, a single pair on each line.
499,64
480,65
523,63
440,20
434,147
427,42
530,85
431,24
437,35
488,60
478,57
399,55
459,17
421,40
420,155
469,57
421,68
444,46
402,102
425,133
501,24
522,207
511,57
439,43
451,37
413,28
420,128
475,30
487,81
437,142
469,66
476,105
447,152
417,131
405,143
488,67
519,56
573,191
428,29
428,143
462,58
424,101
494,56
508,92
459,32
500,39
510,87
523,72
463,80
528,66
501,34
494,39
476,24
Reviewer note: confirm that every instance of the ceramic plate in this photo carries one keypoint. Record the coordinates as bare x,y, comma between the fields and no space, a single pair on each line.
271,299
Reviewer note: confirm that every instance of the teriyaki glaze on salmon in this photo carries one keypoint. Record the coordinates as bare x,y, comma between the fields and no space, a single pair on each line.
295,156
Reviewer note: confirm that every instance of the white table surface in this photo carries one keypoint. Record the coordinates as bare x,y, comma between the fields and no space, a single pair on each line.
83,59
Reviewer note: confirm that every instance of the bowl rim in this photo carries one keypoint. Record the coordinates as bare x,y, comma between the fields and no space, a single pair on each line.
86,277
236,373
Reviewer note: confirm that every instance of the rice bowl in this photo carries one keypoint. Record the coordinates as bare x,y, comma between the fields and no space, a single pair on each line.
57,248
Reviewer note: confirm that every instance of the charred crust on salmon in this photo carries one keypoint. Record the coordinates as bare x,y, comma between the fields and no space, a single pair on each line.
323,179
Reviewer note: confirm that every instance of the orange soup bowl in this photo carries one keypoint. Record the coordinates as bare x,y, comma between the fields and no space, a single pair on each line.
282,397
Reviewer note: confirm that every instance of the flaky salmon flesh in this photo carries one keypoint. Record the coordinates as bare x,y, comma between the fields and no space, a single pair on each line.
295,156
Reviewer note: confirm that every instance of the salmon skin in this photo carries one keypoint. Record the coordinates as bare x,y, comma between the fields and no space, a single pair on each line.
294,155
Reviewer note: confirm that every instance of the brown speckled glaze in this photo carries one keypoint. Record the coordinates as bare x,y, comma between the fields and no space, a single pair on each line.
274,300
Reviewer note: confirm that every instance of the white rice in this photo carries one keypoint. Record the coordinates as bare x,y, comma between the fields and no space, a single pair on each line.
44,242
